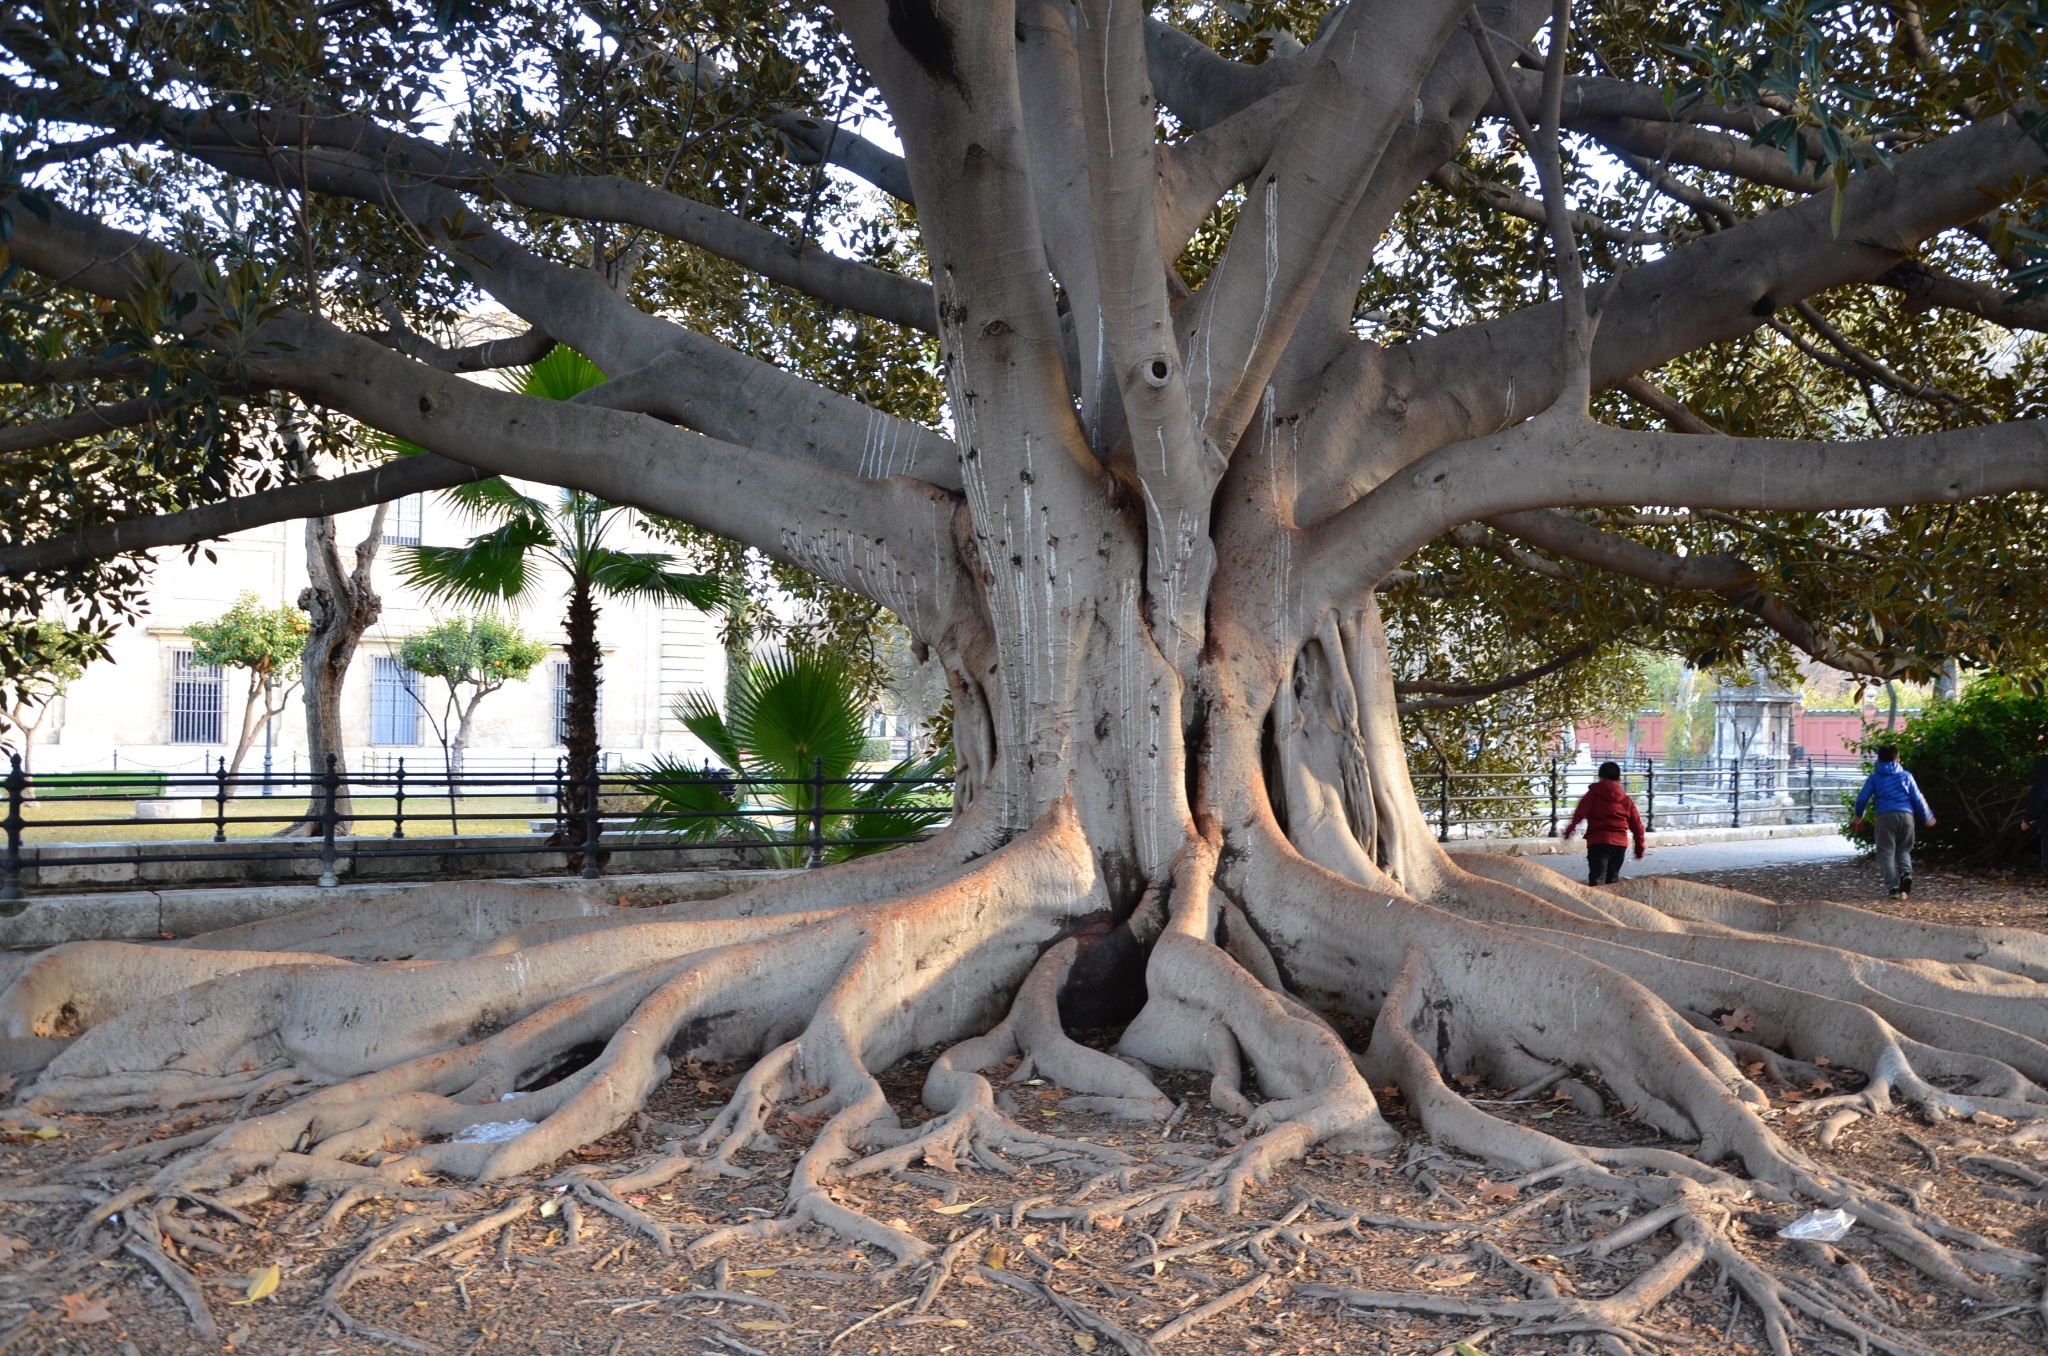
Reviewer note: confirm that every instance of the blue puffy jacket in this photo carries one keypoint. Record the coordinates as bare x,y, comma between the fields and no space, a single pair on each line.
1891,788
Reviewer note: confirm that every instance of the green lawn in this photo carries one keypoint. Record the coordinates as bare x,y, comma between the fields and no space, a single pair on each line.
425,817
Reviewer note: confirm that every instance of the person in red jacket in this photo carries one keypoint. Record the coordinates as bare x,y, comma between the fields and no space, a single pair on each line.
1611,820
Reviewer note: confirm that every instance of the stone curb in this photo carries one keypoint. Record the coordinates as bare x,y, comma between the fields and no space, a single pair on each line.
147,915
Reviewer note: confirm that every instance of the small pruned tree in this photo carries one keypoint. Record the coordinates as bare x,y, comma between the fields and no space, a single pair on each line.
269,644
473,657
49,657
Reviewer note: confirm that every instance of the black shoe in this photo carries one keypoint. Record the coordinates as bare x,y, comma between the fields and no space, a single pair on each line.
1906,885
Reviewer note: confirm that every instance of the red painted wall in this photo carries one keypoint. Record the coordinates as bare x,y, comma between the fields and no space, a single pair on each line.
1822,734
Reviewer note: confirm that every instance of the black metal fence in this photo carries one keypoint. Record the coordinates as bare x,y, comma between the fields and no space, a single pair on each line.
590,818
1670,794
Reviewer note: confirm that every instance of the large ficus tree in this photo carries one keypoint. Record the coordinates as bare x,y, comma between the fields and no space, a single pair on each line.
1206,402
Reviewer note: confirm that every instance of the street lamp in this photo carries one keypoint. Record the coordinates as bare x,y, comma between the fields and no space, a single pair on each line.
269,694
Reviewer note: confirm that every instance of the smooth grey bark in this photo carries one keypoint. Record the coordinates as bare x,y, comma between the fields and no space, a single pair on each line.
312,499
341,606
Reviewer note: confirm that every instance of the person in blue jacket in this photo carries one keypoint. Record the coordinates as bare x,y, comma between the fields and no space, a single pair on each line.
1895,799
2035,815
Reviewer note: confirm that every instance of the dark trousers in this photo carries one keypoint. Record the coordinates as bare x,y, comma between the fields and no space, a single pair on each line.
1603,862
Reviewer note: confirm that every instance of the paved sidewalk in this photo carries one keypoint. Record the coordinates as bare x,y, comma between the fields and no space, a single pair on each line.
1691,858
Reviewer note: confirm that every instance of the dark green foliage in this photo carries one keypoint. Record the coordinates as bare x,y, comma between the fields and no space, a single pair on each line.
1974,759
790,718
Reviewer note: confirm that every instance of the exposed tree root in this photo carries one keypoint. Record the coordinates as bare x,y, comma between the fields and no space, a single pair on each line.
407,1080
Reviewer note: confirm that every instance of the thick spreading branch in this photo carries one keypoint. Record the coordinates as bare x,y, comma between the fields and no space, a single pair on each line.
1470,381
889,540
1364,81
314,499
1549,462
1176,465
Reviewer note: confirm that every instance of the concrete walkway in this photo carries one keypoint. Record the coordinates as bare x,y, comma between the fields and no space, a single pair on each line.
1738,856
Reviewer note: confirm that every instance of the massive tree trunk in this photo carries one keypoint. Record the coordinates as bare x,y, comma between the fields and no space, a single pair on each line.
1185,806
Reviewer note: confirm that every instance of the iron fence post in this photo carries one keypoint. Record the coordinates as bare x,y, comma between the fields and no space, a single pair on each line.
561,799
817,813
220,802
592,813
1650,795
17,782
329,815
1809,788
398,797
1443,801
1735,797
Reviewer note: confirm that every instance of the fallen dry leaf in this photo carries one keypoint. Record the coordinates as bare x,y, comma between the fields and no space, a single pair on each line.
1498,1191
10,1245
1085,1340
83,1308
998,1258
937,1209
1446,1282
941,1157
1742,1019
758,1273
760,1325
262,1283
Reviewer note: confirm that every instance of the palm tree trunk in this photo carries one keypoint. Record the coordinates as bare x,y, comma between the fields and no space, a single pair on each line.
579,715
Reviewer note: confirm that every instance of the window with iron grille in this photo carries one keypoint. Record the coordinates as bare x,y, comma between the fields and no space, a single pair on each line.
402,521
562,704
394,713
195,700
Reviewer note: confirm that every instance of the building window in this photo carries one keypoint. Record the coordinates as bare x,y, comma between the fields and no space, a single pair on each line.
195,700
394,712
402,521
562,704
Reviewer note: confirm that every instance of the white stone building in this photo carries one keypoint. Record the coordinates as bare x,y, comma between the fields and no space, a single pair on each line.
145,707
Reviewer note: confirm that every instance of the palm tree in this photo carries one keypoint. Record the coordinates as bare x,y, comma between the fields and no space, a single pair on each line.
787,720
572,533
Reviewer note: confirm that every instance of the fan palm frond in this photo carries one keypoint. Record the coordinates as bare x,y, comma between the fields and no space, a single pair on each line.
491,568
648,575
562,375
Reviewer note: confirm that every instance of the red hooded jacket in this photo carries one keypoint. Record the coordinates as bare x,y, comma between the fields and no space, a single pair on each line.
1609,816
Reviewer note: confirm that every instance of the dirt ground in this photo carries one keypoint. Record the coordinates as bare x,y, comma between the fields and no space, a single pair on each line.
1427,1223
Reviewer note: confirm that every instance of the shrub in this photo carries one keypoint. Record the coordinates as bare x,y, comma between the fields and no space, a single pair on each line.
1974,759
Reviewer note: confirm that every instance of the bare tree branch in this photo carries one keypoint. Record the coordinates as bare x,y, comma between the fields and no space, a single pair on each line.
1454,177
1436,696
1675,412
1477,536
88,423
403,162
313,499
1675,144
1729,576
516,350
1925,287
